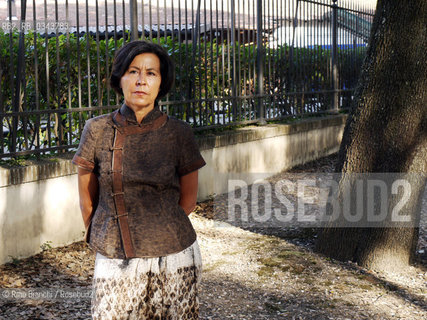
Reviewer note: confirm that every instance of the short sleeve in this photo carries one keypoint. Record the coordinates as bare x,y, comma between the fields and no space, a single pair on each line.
85,155
189,158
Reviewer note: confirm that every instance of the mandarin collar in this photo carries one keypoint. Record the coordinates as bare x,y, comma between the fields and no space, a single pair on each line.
129,114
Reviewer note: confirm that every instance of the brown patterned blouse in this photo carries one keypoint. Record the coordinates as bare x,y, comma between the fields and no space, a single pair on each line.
138,180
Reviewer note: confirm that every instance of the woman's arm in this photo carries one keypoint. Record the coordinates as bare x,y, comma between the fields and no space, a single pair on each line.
88,194
188,196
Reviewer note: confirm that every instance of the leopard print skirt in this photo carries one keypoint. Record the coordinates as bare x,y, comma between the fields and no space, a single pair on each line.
148,288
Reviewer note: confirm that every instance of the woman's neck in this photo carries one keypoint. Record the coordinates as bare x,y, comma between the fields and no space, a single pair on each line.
141,113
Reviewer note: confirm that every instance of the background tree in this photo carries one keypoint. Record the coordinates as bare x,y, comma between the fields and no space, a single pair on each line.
386,132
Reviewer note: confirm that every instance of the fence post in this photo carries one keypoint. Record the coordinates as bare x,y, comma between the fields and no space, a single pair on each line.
260,64
195,38
335,102
11,10
19,73
233,53
134,20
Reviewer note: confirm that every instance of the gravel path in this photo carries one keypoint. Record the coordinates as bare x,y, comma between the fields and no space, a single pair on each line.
248,274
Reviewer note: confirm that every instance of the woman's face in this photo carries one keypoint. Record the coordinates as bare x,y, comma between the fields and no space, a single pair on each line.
141,82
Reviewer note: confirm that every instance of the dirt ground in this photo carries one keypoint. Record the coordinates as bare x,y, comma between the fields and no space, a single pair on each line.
250,273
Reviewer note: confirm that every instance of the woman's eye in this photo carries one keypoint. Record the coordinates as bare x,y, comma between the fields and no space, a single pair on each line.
132,71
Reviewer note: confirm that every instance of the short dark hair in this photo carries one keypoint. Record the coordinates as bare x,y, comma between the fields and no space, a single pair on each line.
125,55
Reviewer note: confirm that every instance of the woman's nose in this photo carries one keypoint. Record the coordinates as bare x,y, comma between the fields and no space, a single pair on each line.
141,79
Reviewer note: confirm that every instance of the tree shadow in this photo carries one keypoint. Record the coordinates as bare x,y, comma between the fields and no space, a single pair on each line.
305,237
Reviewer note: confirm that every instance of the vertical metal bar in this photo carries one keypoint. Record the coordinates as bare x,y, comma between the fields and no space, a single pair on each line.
233,54
247,65
19,73
115,35
298,72
195,41
304,60
186,65
115,27
36,82
238,61
58,116
355,48
107,53
165,33
98,56
158,22
259,64
292,72
143,20
79,68
269,79
276,63
199,61
254,55
228,65
334,55
267,76
205,54
69,114
186,110
12,145
11,9
274,58
2,110
124,22
23,98
316,54
212,75
150,19
245,57
172,41
180,62
271,76
301,61
2,86
89,100
172,28
133,13
48,133
223,61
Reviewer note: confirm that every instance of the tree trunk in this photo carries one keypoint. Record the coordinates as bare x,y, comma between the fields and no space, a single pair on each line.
386,132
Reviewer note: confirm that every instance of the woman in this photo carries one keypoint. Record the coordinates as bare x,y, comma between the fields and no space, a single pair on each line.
137,173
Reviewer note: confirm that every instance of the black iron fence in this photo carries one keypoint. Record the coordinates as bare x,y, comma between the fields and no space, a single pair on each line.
237,61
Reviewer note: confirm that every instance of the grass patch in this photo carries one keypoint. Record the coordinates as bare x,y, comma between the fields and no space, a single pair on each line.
230,253
286,254
271,262
365,286
214,265
265,271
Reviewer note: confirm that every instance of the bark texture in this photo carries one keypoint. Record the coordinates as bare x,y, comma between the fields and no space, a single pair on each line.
387,131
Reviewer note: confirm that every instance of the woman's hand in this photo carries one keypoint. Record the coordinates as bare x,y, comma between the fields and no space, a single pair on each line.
88,194
188,196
